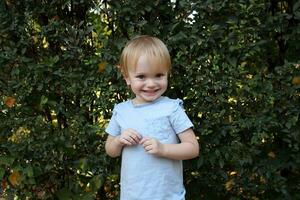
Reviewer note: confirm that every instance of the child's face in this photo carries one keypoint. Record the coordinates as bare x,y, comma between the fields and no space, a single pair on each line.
148,80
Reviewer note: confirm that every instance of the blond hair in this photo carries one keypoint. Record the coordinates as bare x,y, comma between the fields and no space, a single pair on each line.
144,45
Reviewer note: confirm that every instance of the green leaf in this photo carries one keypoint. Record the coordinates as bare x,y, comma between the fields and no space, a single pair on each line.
2,172
64,194
6,160
96,182
296,6
29,171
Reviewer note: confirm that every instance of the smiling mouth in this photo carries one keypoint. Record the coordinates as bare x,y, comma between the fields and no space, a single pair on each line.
151,92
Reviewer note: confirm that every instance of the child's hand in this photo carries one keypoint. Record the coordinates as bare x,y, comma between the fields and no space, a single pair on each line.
152,146
129,137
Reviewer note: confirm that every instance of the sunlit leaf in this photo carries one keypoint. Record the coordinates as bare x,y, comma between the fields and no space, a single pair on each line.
271,154
10,102
101,67
296,80
15,178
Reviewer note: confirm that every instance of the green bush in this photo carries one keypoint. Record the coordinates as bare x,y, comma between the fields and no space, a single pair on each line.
235,64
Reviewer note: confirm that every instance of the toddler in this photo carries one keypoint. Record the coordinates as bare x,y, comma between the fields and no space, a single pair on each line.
151,132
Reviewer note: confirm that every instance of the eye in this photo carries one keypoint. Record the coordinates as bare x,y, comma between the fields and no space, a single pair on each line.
160,75
140,76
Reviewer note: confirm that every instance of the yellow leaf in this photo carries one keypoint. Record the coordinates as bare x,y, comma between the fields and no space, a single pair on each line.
101,67
106,188
45,43
243,64
271,154
296,80
233,173
87,189
229,184
15,178
10,102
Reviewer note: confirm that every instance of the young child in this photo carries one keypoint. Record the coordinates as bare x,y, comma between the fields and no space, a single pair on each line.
151,132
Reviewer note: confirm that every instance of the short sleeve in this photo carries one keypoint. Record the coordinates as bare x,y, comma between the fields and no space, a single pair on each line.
178,118
113,127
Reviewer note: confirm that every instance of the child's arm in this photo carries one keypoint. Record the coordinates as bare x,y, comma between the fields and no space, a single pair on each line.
114,144
113,147
188,148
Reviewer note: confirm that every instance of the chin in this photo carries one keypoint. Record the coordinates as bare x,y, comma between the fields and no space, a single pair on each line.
150,99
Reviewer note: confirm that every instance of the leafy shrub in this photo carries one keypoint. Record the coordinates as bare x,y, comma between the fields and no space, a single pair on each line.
235,64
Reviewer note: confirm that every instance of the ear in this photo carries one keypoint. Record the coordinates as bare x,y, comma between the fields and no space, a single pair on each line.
127,80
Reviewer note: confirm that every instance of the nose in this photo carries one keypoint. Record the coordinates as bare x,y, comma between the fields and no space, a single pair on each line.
151,83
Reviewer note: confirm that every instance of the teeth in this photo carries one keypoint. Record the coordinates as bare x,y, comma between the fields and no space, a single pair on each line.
150,92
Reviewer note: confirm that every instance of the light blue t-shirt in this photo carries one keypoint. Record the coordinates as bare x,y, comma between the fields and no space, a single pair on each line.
145,176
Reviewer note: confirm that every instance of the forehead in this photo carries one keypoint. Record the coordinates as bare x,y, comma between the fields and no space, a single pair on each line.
149,64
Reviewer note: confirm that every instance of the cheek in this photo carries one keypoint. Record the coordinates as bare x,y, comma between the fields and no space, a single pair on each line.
135,84
165,82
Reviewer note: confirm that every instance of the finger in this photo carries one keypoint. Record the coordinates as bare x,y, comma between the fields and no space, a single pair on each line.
148,145
149,141
148,148
136,134
135,138
130,140
143,140
131,136
124,141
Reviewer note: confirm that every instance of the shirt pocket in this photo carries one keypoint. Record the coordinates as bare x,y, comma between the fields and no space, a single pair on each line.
159,128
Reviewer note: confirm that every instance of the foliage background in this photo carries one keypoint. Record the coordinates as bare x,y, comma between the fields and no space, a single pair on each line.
235,63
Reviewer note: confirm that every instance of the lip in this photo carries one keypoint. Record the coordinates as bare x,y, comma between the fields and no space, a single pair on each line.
150,92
